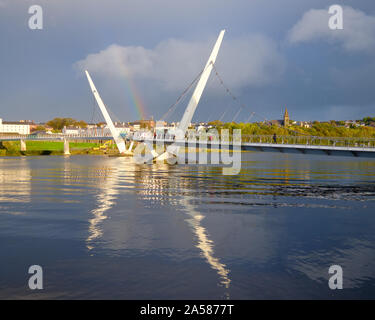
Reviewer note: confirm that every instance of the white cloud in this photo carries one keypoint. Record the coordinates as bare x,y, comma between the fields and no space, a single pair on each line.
358,33
247,61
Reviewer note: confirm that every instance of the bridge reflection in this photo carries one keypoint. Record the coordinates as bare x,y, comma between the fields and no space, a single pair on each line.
155,183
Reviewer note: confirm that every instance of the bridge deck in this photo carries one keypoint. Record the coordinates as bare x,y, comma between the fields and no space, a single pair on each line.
279,147
310,149
305,148
54,137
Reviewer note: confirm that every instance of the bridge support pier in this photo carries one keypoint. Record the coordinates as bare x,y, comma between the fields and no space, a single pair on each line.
129,151
23,145
66,147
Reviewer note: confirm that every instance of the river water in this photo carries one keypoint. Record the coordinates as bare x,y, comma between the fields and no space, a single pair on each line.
105,227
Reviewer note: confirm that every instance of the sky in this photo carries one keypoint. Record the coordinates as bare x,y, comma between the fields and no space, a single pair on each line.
142,54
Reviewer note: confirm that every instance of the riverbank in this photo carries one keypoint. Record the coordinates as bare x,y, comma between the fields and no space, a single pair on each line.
38,148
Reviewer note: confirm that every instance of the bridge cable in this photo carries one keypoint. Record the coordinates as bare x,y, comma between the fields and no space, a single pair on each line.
223,114
230,93
173,106
250,117
237,114
242,105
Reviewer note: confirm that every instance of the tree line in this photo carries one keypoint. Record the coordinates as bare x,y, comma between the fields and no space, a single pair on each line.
57,124
319,129
60,123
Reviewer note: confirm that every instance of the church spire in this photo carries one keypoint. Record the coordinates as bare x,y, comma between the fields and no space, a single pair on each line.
286,118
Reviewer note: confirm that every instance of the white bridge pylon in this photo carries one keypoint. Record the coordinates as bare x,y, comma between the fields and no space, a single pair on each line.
120,143
186,119
194,100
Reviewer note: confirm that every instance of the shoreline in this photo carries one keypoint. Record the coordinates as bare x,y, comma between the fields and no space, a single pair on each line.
43,148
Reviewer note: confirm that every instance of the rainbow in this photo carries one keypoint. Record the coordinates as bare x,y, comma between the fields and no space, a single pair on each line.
135,98
132,92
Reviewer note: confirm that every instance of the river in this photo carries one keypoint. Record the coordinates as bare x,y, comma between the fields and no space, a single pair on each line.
105,227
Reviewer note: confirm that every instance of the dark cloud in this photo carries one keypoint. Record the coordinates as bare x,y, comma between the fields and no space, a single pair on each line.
163,44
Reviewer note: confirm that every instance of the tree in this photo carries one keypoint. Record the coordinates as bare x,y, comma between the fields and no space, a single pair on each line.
39,128
215,123
319,129
59,123
368,120
81,124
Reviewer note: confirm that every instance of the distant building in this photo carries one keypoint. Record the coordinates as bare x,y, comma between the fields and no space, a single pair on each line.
351,123
161,124
305,124
20,127
142,124
286,118
136,126
275,122
91,126
71,130
284,122
122,128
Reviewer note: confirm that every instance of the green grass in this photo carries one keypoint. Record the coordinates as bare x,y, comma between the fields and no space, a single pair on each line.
57,145
44,145
81,145
12,148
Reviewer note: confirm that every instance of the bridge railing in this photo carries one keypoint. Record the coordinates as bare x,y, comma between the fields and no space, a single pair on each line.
311,140
52,136
263,139
294,140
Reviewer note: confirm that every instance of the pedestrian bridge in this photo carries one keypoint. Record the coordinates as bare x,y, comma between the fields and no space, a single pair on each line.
335,146
55,137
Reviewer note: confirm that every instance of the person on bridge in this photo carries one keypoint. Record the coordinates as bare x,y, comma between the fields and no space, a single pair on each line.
274,138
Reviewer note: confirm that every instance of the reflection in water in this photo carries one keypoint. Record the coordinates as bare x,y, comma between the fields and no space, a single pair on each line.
106,200
147,224
204,243
157,183
153,182
105,196
158,189
164,185
15,172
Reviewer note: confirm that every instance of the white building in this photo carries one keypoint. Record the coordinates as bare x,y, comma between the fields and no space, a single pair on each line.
14,127
119,128
71,130
122,129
